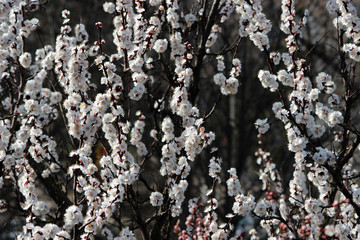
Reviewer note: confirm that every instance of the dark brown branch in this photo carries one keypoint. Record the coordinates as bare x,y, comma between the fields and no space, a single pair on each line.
139,219
213,108
211,19
336,175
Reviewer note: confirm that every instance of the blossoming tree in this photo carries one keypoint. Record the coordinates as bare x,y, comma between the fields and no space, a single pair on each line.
100,144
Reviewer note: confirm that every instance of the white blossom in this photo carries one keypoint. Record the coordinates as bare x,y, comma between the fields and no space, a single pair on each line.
25,60
156,199
268,80
160,45
73,216
262,125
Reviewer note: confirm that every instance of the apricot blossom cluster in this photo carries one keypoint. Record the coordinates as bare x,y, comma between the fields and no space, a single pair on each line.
141,109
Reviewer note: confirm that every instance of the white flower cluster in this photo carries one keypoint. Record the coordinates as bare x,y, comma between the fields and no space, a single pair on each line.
171,14
215,168
265,208
324,155
192,141
176,193
73,216
35,109
325,83
168,129
109,7
226,10
25,60
220,63
262,126
156,199
177,47
243,205
298,186
275,57
227,85
253,23
178,150
348,22
160,45
236,68
84,118
288,24
127,234
133,39
184,76
190,19
102,165
268,80
136,135
302,119
233,183
332,118
291,44
286,78
14,28
213,36
26,185
5,137
303,95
